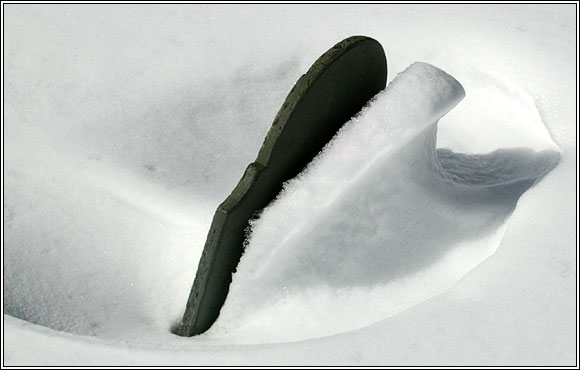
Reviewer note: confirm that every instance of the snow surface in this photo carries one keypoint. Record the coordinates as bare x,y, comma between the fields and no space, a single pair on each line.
125,127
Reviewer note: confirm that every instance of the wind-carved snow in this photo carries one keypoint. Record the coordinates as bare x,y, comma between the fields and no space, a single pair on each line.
375,225
138,102
380,221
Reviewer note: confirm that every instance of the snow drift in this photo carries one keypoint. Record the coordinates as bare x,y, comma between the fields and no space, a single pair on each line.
125,126
379,221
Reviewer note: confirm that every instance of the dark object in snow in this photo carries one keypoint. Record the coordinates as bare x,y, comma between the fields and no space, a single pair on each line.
334,89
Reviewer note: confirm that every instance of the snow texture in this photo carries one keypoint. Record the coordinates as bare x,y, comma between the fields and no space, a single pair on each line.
430,231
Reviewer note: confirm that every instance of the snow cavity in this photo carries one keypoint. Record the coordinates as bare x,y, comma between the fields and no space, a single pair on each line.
381,219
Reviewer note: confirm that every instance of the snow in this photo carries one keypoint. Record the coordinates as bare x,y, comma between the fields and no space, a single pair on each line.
125,126
376,218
